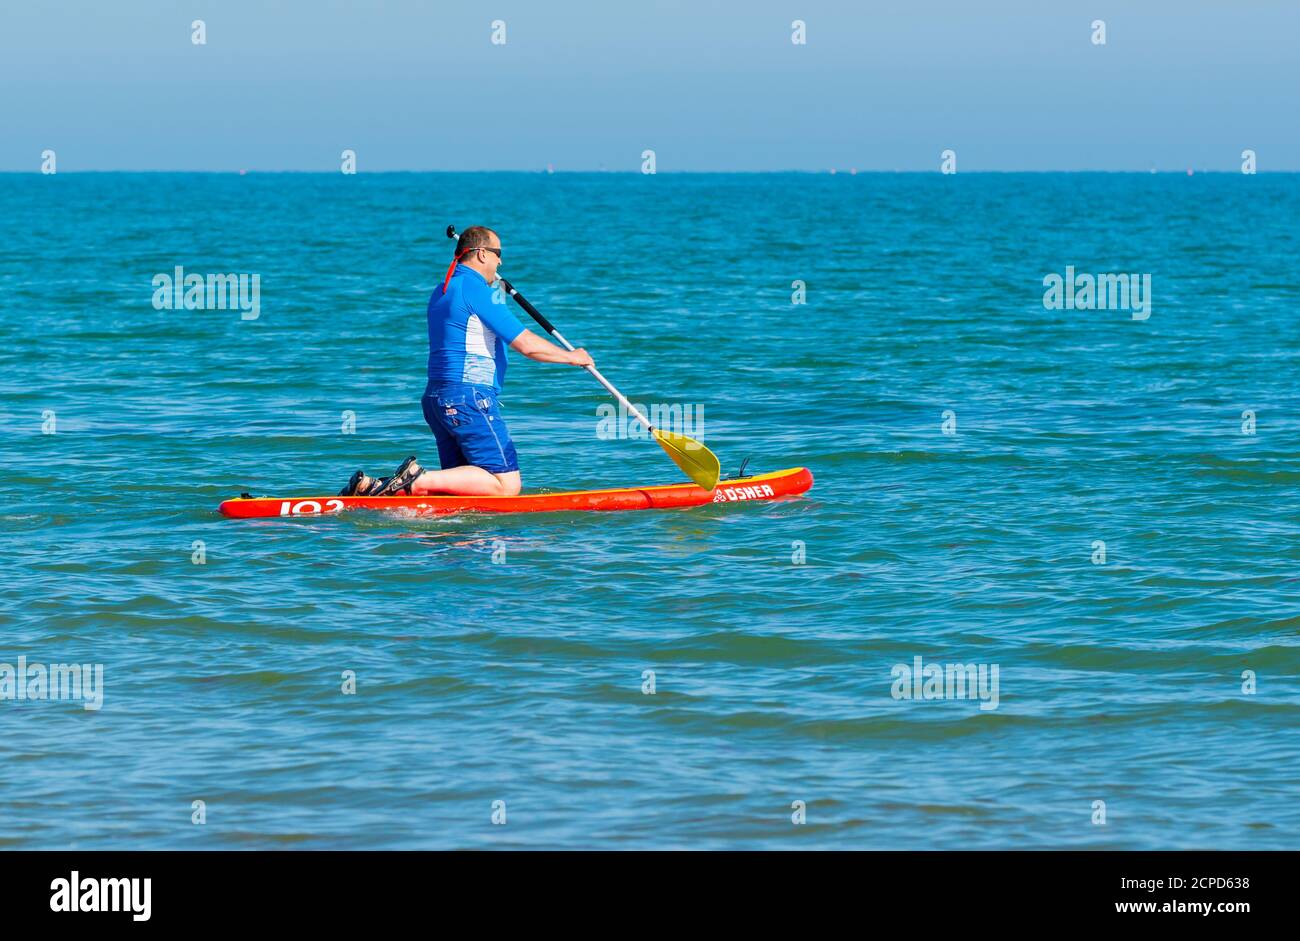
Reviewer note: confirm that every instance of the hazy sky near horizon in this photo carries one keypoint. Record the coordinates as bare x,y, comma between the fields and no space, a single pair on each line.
582,85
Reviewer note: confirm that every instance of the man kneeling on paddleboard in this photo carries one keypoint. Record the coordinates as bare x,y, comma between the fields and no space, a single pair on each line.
468,335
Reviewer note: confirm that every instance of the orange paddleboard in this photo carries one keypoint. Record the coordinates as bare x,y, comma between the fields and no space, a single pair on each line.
773,486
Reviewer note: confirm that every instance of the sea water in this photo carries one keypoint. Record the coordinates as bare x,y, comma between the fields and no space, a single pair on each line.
1044,592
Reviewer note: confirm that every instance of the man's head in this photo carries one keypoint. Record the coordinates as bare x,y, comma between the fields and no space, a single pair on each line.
480,248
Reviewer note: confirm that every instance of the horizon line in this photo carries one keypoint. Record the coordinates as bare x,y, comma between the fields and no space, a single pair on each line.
836,171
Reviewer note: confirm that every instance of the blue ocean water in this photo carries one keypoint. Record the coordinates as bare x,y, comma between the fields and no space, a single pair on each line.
975,454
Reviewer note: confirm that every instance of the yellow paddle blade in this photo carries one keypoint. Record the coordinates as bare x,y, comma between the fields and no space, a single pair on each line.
699,463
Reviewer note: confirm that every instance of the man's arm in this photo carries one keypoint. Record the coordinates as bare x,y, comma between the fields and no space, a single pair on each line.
504,324
544,351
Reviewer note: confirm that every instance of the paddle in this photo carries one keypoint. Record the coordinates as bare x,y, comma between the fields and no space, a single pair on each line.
698,462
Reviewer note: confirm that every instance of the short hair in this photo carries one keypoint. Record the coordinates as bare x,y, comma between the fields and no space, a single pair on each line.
476,236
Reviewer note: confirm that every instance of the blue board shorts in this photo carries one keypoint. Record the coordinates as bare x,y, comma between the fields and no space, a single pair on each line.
466,421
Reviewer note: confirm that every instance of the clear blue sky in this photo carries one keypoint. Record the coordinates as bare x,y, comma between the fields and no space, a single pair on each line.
1008,84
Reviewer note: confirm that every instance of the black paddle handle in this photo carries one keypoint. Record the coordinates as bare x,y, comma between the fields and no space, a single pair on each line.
527,305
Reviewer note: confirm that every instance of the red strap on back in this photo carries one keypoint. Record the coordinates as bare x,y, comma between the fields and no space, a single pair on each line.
450,270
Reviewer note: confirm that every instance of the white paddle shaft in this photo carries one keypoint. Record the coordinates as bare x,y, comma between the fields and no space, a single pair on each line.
609,386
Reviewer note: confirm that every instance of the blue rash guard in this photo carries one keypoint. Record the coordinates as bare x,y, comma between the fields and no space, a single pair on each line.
468,334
